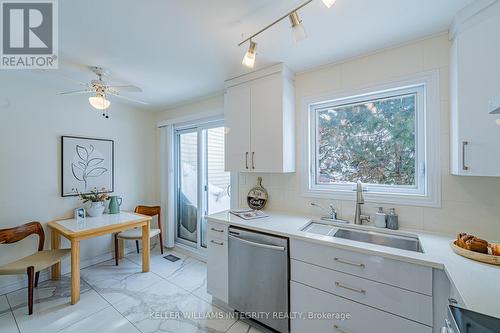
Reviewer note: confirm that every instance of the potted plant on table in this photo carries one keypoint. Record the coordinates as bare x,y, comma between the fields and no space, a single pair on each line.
96,199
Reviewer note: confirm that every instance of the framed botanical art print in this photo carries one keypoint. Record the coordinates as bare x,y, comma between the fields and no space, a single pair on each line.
86,163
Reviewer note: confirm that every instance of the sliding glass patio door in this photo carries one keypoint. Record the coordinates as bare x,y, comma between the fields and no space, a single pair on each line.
203,187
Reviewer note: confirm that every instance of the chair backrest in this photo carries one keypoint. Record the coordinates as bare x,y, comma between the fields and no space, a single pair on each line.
150,211
13,235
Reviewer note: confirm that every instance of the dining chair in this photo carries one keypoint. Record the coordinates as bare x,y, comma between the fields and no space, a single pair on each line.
32,264
136,234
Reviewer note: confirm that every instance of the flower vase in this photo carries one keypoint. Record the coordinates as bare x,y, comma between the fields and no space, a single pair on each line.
95,209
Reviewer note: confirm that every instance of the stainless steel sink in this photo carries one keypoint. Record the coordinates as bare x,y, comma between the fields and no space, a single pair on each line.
395,241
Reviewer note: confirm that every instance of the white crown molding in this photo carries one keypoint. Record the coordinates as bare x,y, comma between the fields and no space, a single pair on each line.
278,68
465,15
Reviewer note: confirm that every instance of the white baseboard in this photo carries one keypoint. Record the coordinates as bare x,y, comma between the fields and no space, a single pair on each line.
22,281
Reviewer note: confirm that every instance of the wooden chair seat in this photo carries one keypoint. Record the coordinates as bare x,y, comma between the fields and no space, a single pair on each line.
136,233
33,264
39,260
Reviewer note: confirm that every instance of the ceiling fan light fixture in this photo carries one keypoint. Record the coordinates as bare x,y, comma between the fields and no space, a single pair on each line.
99,102
249,58
299,32
329,3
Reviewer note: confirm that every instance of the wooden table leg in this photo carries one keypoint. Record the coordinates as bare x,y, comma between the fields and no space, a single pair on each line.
121,248
75,271
56,244
145,247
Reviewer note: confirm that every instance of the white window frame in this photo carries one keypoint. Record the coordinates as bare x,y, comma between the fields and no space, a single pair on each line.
427,192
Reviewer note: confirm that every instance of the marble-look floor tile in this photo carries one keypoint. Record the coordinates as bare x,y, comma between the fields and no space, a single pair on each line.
106,321
4,305
162,266
165,307
202,293
192,277
52,308
241,327
7,323
137,257
46,291
114,282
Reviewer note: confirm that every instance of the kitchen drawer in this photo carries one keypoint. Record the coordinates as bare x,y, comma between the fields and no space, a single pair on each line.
394,272
216,230
217,269
306,301
398,301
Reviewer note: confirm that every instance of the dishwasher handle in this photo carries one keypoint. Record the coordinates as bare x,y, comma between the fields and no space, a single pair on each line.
265,246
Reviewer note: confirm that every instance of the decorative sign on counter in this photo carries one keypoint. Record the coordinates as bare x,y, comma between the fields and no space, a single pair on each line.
257,196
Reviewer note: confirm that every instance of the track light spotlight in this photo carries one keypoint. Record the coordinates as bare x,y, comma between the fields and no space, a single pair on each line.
299,32
249,59
329,3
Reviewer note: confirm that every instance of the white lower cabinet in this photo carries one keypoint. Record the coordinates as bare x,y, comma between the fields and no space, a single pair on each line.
401,302
217,261
393,272
309,302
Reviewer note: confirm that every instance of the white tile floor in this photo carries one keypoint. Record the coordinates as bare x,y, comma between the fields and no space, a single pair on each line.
170,298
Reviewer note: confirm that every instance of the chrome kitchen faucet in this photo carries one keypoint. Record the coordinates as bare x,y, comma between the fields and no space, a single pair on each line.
360,200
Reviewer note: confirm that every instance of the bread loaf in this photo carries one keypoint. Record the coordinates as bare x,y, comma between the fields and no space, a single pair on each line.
472,243
495,249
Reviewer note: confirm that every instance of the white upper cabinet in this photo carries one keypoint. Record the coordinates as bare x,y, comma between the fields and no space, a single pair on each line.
259,117
474,82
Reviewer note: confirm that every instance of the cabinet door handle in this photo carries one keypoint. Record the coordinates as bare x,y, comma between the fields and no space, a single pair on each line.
340,285
246,160
253,158
464,167
216,230
216,243
338,329
347,262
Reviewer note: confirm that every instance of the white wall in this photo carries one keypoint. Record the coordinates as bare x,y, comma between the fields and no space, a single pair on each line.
470,204
32,119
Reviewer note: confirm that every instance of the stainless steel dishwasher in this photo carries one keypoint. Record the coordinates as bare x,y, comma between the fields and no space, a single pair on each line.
259,277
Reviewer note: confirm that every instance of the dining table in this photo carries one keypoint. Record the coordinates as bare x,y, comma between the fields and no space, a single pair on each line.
77,230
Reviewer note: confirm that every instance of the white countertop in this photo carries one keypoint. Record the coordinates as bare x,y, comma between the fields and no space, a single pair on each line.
90,223
478,284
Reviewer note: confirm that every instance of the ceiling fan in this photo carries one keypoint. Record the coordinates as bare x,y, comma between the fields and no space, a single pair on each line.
100,89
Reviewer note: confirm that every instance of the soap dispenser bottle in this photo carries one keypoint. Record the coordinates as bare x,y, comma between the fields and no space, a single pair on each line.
392,220
380,218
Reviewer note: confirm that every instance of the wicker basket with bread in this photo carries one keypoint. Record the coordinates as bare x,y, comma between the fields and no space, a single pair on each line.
476,248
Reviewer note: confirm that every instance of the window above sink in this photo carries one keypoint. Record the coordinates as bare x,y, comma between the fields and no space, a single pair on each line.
387,137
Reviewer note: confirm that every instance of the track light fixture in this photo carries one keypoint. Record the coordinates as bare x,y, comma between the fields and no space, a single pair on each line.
329,3
299,33
249,58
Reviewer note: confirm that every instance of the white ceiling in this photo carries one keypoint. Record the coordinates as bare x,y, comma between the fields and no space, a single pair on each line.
178,50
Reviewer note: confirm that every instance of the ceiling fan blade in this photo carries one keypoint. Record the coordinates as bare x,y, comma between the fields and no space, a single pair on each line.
128,98
77,92
125,87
